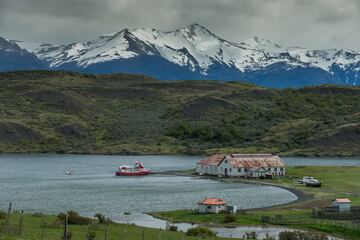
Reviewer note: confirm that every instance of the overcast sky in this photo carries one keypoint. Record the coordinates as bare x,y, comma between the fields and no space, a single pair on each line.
308,23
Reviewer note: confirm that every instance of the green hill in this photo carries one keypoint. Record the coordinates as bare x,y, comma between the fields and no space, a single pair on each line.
64,112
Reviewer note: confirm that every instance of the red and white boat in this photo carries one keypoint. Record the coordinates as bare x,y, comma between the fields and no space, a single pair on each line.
137,170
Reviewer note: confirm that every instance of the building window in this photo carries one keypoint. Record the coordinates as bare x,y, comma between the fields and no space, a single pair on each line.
281,169
269,169
246,169
229,169
221,169
239,169
225,161
275,169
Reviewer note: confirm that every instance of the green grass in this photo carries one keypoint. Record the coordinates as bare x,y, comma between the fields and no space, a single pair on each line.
128,114
337,182
54,230
344,180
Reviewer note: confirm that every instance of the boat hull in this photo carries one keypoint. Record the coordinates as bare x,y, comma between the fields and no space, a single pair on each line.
134,174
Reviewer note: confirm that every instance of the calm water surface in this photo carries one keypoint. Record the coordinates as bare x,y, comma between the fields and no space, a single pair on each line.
39,183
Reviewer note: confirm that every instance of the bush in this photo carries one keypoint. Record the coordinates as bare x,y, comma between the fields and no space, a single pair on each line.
101,218
3,215
200,232
301,236
74,218
172,228
37,214
91,232
229,218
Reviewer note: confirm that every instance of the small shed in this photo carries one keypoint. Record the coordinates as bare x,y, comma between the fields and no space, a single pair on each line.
231,209
342,204
211,205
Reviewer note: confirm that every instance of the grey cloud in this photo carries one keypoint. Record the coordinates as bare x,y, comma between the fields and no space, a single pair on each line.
309,23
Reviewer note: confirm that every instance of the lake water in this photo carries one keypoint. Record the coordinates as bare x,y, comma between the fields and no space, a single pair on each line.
38,183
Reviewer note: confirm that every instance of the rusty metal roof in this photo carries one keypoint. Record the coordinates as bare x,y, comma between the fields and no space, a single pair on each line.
343,200
213,160
212,201
245,160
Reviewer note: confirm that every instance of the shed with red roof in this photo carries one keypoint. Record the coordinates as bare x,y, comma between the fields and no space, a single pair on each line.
342,204
211,205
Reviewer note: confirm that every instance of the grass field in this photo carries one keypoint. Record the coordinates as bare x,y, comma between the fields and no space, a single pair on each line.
53,230
337,182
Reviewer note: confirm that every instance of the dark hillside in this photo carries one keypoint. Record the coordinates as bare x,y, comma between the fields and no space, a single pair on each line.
45,111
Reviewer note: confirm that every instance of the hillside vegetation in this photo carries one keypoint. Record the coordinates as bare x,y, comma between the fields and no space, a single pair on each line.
44,111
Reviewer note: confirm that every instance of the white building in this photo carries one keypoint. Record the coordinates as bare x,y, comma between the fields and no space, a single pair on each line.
242,165
211,205
343,204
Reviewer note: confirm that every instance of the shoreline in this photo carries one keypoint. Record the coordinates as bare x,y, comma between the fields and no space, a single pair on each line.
133,153
300,195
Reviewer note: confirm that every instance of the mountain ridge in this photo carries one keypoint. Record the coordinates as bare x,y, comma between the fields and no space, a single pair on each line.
194,52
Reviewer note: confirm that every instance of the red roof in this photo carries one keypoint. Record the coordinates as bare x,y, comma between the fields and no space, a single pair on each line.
212,201
214,160
245,160
343,200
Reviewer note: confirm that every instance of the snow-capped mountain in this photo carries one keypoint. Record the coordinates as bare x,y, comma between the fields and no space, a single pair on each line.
193,52
12,57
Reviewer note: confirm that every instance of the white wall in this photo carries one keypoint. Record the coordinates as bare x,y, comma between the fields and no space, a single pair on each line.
211,208
343,207
234,172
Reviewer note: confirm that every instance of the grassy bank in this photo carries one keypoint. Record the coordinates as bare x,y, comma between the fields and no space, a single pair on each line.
337,182
64,112
54,229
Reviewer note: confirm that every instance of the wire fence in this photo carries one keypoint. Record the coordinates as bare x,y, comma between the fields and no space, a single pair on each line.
346,225
17,225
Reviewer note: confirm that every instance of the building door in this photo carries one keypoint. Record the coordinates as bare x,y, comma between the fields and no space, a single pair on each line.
226,171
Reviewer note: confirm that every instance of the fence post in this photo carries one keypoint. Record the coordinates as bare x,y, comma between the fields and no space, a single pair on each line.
42,227
159,237
124,236
8,219
21,222
66,227
106,231
143,235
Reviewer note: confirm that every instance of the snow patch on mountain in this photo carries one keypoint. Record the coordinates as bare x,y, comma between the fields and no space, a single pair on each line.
193,47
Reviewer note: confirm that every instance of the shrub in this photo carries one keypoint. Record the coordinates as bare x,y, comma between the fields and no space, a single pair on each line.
101,218
301,236
250,235
91,232
74,218
37,214
200,232
2,215
229,218
172,228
